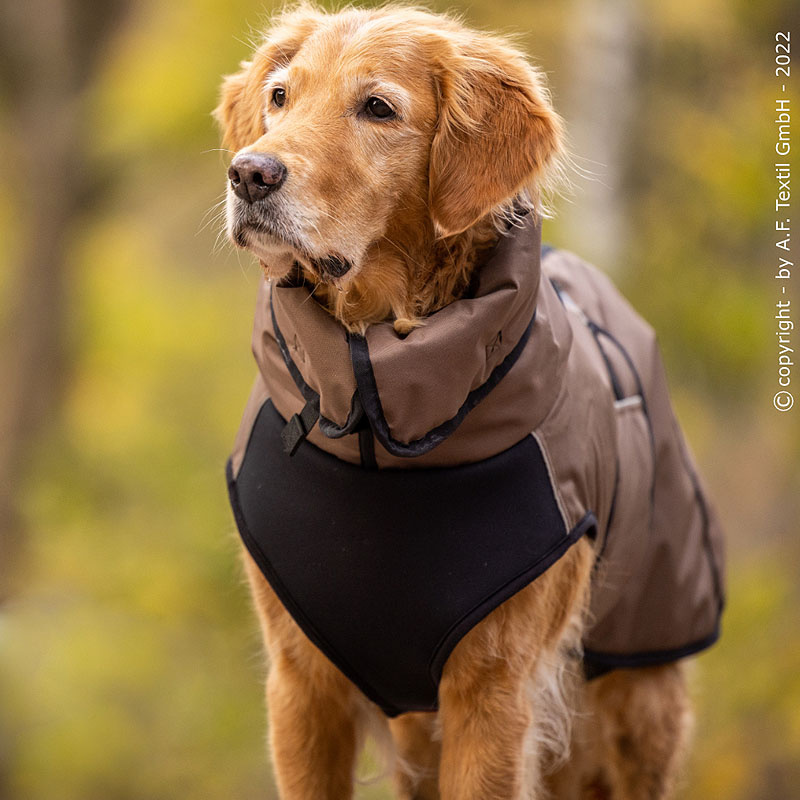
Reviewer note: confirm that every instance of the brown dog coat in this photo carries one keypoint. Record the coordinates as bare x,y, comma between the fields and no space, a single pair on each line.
451,466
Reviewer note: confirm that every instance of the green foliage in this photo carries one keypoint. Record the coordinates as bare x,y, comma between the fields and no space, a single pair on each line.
748,739
130,665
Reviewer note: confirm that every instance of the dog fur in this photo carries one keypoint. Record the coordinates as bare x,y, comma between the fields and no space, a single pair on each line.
410,202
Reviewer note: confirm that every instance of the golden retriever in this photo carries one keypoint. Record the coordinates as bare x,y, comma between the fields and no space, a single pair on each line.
383,118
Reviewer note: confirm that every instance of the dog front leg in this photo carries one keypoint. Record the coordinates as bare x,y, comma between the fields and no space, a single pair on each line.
484,740
489,743
312,707
418,749
313,731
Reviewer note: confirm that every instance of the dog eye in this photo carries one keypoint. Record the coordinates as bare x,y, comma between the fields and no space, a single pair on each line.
278,97
380,109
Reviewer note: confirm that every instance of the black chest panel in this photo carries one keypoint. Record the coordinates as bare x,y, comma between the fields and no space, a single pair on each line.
386,570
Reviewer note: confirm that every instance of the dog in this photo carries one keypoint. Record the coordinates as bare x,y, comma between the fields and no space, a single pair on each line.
389,168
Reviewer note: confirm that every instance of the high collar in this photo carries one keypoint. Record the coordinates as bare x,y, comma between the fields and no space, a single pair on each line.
417,388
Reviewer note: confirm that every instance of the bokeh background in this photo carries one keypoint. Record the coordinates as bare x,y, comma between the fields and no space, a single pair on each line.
130,663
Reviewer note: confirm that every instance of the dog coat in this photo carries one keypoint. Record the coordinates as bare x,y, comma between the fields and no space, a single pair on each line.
395,489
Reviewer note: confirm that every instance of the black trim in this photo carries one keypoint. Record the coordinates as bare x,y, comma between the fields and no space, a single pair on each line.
699,496
596,329
370,398
354,418
288,601
706,526
328,427
366,445
595,663
488,604
432,611
616,386
366,400
619,394
608,661
591,670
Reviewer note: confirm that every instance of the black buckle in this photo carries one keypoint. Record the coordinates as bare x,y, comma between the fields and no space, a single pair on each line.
299,426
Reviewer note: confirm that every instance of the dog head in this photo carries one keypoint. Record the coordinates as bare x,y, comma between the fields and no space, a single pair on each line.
365,131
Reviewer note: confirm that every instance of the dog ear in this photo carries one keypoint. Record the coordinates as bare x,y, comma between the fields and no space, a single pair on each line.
240,112
495,134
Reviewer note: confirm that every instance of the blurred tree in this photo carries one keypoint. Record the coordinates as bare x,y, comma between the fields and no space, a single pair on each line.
603,48
130,664
49,51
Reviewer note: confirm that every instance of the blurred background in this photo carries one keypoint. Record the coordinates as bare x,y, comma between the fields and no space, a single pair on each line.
130,662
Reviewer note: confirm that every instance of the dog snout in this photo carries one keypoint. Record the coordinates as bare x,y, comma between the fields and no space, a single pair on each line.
254,175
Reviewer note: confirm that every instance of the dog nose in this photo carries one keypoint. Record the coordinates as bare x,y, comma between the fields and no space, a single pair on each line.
254,175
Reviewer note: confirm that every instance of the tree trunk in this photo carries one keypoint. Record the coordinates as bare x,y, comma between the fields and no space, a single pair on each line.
49,52
603,50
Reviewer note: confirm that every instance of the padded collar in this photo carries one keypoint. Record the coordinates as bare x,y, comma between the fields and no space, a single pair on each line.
416,389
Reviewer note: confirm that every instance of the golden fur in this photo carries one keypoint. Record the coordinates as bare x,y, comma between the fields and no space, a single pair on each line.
407,201
410,203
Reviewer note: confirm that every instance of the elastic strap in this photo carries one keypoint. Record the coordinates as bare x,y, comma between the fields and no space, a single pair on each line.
366,445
